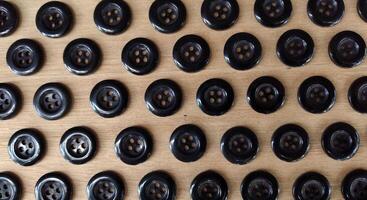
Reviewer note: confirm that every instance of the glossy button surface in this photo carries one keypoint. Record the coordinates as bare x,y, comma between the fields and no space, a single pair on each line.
157,185
53,186
10,186
219,14
209,185
9,18
10,101
311,186
354,185
167,16
325,12
106,185
259,185
357,94
273,13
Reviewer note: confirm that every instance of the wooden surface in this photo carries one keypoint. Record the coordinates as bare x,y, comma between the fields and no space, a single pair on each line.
161,128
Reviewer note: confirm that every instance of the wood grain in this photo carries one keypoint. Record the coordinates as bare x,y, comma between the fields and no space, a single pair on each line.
161,128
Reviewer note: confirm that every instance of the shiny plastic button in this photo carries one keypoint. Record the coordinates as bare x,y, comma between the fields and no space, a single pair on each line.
242,51
325,12
133,145
9,18
340,141
317,94
157,185
259,185
54,19
357,94
362,9
26,147
273,13
188,143
10,101
10,186
106,185
347,49
53,186
219,14
140,56
354,185
82,56
290,142
112,16
167,16
295,48
209,185
311,186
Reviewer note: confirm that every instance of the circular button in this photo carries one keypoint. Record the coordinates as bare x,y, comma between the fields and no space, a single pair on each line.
266,94
242,51
54,19
354,185
357,94
140,56
8,18
362,9
209,185
109,98
112,16
325,12
78,145
340,141
188,143
167,16
10,101
25,57
215,96
219,14
239,145
106,185
53,186
157,185
317,94
290,142
82,56
273,13
259,185
10,186
163,97
26,147
52,101
133,145
295,48
311,186
191,53
347,49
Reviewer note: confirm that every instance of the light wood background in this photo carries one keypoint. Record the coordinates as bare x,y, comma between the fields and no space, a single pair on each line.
161,128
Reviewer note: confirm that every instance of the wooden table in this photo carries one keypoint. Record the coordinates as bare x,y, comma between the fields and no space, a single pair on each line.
161,128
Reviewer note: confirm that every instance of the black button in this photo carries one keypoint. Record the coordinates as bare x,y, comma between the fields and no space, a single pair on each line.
53,186
82,56
109,98
317,94
239,145
209,185
52,101
215,96
163,97
273,13
10,101
54,19
311,186
188,143
259,185
133,145
347,49
140,56
112,16
25,57
26,147
266,94
325,12
106,185
167,16
290,142
78,145
157,185
340,141
354,185
362,9
8,18
295,48
10,186
242,51
357,95
219,14
191,53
